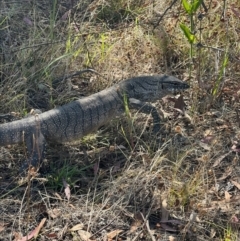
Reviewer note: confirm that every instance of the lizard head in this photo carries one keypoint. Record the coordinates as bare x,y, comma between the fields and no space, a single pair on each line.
171,84
151,88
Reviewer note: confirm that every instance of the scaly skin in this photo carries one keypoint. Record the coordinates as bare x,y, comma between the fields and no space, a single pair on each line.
79,118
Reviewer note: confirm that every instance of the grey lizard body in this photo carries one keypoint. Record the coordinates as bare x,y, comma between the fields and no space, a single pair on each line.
78,118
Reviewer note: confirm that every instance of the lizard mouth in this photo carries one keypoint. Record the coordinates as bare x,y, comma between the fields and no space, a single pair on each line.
179,89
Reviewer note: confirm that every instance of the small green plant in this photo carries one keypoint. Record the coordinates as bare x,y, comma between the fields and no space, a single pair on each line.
216,87
227,235
190,8
103,38
69,173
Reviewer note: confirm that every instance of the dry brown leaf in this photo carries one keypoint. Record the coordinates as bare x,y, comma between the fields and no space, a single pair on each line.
236,147
208,132
138,221
165,212
72,206
227,196
205,146
37,229
77,227
51,235
179,103
114,233
17,235
218,161
2,226
62,231
84,235
208,139
112,148
133,228
226,174
67,189
58,196
178,129
35,232
54,213
171,238
236,184
234,219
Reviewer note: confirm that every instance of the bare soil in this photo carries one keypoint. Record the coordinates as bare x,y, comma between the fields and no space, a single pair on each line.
123,182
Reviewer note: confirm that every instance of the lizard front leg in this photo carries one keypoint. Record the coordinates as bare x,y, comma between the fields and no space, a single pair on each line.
146,108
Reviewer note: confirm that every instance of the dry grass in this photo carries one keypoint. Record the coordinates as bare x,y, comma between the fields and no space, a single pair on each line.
126,184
